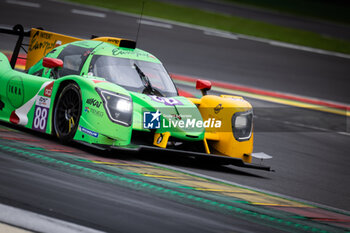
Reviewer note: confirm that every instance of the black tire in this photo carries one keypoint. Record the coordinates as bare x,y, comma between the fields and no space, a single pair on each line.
67,113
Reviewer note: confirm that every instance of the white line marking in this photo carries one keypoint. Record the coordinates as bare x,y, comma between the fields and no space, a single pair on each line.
308,49
226,35
23,3
88,13
344,133
156,24
250,187
37,222
202,28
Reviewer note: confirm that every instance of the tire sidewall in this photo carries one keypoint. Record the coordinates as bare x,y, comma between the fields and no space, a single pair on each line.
68,137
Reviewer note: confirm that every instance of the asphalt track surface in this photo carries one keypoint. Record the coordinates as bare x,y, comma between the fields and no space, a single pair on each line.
310,155
104,206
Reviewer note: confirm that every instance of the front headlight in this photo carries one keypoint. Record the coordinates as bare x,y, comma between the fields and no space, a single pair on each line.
118,107
241,122
242,125
124,105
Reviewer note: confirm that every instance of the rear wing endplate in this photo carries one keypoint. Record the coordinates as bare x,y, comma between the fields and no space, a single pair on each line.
17,30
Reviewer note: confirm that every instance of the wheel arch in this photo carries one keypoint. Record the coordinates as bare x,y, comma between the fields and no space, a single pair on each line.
61,86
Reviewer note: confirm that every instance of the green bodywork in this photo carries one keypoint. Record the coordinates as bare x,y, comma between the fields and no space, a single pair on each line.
21,93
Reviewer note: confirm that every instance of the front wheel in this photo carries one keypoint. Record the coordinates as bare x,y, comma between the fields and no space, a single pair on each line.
67,113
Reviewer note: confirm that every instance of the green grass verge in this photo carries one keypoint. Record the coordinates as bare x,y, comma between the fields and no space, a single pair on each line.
335,10
224,22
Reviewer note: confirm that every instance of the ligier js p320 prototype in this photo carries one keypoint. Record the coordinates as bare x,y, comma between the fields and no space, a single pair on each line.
106,92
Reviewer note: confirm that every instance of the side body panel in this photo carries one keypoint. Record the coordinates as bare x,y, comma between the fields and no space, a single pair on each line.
27,99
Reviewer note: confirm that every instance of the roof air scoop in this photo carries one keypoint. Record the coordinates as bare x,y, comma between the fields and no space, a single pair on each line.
125,43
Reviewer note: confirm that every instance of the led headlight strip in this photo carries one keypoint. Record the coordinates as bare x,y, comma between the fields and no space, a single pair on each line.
118,107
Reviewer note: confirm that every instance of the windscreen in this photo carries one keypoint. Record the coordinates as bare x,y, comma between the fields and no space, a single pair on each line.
122,71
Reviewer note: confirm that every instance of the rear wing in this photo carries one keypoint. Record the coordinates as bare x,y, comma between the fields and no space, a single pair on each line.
17,30
41,42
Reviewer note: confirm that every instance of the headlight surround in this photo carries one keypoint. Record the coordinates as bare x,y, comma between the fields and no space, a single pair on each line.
242,125
117,106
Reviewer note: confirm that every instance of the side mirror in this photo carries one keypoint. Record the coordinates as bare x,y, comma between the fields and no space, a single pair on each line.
54,63
49,62
203,85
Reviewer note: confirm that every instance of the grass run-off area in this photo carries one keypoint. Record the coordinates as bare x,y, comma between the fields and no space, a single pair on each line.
328,10
224,22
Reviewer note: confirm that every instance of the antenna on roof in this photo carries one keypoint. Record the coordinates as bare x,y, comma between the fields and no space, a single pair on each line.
140,20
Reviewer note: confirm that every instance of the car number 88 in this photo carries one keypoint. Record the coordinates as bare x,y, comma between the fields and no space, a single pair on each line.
40,118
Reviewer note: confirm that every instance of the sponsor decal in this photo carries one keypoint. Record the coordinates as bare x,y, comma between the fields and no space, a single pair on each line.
121,52
41,113
94,102
167,101
15,91
88,132
43,101
42,40
116,42
218,108
93,111
48,90
151,120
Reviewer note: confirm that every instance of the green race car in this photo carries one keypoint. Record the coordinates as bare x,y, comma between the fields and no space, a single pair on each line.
105,92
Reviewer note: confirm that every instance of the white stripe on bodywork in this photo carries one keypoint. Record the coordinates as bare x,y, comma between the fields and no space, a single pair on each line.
22,112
